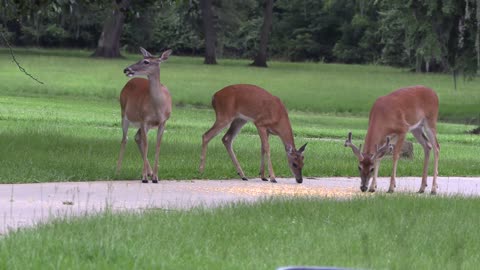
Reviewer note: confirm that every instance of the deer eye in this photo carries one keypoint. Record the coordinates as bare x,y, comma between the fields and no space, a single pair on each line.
146,62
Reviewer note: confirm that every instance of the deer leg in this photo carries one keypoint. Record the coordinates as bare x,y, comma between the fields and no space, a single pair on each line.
122,146
161,128
144,146
212,132
139,141
432,136
396,155
262,164
426,145
373,185
227,140
266,149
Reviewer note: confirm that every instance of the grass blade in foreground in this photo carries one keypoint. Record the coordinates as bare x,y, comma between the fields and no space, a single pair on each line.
379,232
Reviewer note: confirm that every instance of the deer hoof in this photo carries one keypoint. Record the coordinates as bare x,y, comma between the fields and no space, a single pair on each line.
390,191
144,181
421,191
371,190
155,181
264,179
273,180
244,179
434,192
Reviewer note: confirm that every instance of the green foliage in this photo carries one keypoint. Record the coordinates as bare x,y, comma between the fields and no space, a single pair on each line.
359,41
304,30
53,35
366,232
164,25
434,35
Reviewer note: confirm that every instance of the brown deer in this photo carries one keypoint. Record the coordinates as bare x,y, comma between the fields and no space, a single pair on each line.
235,105
145,104
413,109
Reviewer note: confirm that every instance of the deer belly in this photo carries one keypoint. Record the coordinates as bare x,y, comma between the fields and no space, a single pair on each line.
137,124
415,126
244,117
132,123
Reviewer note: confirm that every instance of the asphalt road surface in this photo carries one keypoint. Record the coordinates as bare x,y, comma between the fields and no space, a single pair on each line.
24,205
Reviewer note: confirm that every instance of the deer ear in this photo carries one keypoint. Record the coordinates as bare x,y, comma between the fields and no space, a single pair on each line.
385,149
165,55
145,53
383,152
302,148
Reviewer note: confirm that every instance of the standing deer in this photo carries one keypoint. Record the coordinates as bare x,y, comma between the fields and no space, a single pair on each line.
235,105
145,104
413,109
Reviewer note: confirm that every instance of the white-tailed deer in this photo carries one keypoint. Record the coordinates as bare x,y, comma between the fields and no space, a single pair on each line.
145,104
413,109
235,105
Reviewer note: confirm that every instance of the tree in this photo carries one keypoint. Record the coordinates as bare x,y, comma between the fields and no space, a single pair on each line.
209,32
109,41
261,57
430,35
477,34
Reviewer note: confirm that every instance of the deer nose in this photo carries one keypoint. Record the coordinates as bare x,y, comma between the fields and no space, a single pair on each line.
299,180
126,70
363,188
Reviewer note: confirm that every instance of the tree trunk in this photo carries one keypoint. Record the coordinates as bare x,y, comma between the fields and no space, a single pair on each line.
477,36
418,63
261,57
209,32
109,41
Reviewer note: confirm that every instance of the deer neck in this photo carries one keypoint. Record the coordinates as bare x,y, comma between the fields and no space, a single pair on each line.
286,135
156,92
371,143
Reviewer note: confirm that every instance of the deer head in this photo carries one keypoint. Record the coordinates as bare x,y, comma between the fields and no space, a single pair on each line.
295,162
148,65
366,161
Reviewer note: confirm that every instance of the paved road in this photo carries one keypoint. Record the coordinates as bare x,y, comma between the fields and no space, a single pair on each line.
24,205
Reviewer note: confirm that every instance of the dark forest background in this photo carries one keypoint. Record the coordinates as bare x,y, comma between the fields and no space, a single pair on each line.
425,36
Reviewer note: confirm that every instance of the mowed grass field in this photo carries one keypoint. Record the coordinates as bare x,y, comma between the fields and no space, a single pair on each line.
370,232
68,129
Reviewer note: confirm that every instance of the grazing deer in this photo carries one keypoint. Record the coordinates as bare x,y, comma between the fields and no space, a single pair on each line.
413,109
145,104
235,105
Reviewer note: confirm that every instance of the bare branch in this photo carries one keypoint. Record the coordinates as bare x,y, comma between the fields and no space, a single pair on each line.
16,62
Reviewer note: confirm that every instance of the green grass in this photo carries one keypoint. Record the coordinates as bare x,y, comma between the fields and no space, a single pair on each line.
313,87
369,232
69,128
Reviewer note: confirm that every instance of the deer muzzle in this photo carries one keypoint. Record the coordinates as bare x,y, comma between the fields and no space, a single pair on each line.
128,72
298,176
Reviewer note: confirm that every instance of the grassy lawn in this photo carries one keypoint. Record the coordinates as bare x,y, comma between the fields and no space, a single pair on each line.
368,232
69,128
